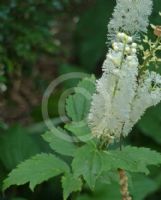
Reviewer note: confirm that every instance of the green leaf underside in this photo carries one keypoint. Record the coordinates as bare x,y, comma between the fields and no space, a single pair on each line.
70,184
91,163
36,170
59,145
78,105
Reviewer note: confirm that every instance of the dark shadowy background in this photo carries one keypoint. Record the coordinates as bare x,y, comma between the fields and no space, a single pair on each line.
40,40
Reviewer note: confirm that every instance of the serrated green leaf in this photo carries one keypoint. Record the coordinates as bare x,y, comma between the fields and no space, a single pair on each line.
88,163
87,85
108,177
70,184
91,163
132,159
59,145
78,105
72,107
36,170
80,130
16,145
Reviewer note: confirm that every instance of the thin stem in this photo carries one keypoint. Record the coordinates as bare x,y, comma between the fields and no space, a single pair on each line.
122,59
123,177
121,137
103,144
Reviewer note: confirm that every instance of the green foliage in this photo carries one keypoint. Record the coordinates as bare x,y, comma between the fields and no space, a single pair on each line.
80,130
87,85
103,192
2,175
29,22
3,125
26,33
90,41
36,170
91,163
59,145
68,68
78,105
70,184
88,163
16,146
17,198
73,107
150,124
132,159
48,163
140,188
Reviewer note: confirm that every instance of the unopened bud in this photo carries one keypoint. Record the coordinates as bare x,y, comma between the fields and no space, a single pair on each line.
157,31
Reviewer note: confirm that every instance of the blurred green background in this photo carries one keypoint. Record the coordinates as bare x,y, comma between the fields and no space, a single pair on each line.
39,41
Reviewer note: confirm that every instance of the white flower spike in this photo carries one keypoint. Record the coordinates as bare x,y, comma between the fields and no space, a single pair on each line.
123,93
130,16
121,98
115,90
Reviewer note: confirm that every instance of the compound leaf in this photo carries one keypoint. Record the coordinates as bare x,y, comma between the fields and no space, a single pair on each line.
36,170
132,159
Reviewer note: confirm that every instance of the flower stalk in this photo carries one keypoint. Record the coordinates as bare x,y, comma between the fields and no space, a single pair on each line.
124,185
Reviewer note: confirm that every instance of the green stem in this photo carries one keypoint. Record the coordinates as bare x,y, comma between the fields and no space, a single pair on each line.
103,144
121,136
122,59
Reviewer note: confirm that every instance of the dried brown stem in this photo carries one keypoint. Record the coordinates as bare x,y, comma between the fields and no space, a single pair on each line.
124,185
